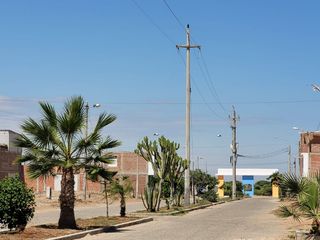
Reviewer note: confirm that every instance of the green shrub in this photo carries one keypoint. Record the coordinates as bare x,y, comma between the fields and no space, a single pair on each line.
263,188
210,195
17,203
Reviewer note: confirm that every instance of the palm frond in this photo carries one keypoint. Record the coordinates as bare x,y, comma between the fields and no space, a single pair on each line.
292,184
49,113
288,211
72,120
104,120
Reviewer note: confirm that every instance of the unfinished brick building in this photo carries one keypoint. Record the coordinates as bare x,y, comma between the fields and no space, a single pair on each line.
8,154
309,152
125,164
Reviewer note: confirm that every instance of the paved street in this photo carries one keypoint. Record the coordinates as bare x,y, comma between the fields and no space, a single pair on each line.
246,219
46,216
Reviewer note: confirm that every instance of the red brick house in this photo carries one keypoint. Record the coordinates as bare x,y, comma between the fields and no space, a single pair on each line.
125,164
309,152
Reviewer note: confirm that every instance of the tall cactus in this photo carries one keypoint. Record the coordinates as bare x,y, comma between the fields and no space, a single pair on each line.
176,172
160,154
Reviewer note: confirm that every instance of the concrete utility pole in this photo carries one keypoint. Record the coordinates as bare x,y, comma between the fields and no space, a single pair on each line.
289,159
86,136
234,118
188,93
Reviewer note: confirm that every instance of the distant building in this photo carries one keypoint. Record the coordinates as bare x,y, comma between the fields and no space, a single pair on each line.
309,152
8,154
7,141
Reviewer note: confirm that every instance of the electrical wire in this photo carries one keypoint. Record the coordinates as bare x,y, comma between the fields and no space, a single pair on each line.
153,22
266,155
208,78
211,81
174,15
201,95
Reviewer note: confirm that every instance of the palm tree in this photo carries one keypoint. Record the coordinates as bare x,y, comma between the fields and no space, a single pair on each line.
121,188
275,178
56,143
304,200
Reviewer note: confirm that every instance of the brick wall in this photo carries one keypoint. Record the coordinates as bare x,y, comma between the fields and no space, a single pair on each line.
127,165
310,143
135,167
7,165
315,162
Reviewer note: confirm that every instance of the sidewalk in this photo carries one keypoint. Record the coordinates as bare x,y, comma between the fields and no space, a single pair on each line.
51,213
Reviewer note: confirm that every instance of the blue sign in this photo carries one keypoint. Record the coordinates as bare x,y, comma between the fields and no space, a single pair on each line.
248,185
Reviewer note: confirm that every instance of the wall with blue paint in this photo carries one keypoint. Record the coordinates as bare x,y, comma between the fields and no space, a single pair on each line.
248,185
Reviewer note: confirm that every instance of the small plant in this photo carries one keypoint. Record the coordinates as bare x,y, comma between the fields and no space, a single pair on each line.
121,188
17,203
303,195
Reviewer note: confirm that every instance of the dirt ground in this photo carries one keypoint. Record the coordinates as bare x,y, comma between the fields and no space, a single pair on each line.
93,199
48,231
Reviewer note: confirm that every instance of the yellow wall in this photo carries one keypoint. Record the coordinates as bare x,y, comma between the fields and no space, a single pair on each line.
220,186
275,191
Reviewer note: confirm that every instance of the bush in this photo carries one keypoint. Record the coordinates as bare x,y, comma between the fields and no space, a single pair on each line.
17,203
210,195
228,189
263,188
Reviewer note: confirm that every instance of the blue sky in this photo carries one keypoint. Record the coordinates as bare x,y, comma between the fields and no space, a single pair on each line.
262,57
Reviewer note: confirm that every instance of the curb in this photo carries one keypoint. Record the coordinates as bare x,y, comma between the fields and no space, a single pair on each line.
101,230
191,209
154,214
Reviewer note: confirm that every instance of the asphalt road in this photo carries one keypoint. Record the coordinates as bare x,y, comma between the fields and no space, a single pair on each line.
245,219
51,215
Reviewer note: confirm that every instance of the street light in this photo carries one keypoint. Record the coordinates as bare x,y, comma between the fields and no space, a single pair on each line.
96,105
198,158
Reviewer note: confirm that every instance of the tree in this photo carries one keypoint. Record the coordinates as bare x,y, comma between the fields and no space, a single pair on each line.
263,188
204,185
276,179
16,203
56,143
105,177
160,154
303,194
228,189
121,188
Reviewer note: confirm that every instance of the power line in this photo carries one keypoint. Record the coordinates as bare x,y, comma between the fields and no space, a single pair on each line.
153,22
266,155
210,80
200,94
174,15
210,86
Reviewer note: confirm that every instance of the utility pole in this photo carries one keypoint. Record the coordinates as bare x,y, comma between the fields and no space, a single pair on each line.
295,166
188,93
86,136
234,118
289,159
192,184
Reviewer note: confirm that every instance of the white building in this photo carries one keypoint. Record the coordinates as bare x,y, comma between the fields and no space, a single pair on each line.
7,140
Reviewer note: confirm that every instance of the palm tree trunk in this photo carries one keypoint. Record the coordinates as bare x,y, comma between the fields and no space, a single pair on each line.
122,206
67,199
106,197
